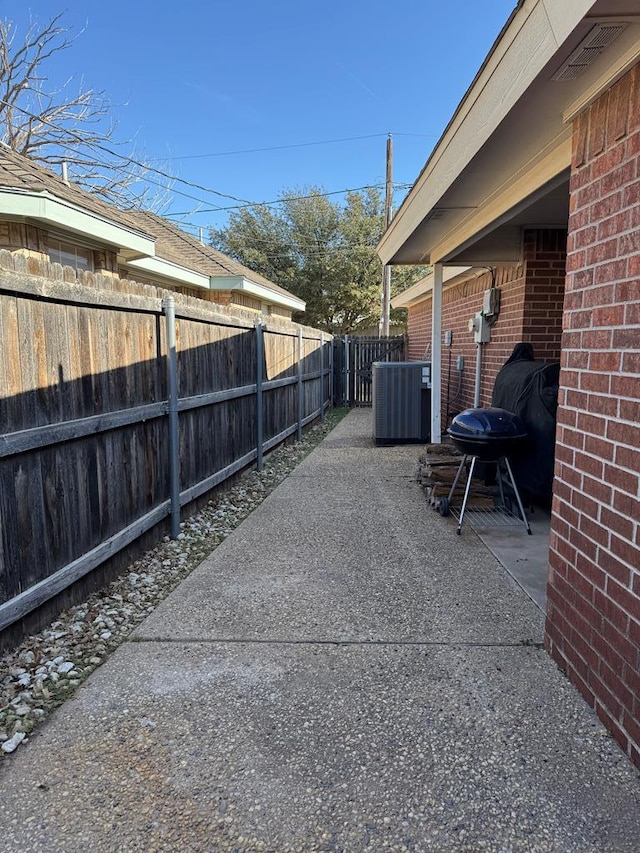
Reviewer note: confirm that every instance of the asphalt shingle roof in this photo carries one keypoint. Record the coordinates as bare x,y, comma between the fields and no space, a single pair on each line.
171,242
174,244
21,173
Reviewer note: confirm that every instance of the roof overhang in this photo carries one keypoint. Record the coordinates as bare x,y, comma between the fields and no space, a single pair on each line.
257,291
174,273
503,162
422,289
43,207
135,249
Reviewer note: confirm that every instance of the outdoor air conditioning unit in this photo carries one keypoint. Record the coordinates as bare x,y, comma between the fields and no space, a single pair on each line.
401,401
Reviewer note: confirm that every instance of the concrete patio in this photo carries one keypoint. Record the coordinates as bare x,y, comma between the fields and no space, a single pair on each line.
343,673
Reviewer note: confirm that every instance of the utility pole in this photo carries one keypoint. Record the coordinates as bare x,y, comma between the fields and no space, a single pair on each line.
386,271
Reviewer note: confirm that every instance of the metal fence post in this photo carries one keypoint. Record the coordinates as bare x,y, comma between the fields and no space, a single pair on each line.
300,401
322,376
332,344
169,308
259,399
347,377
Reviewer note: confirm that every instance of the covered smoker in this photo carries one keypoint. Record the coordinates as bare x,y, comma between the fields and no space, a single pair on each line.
529,389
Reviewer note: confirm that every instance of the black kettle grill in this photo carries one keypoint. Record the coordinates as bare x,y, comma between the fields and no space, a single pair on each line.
489,435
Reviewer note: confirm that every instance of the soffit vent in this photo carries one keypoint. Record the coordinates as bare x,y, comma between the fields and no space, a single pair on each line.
599,38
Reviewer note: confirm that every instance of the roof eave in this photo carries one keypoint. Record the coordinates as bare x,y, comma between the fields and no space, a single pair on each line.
421,289
509,70
259,291
176,274
43,206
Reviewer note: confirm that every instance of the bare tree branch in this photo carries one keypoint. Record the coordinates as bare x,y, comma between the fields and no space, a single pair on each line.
56,124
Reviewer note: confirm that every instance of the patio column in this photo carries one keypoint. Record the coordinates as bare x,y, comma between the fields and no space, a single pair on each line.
436,354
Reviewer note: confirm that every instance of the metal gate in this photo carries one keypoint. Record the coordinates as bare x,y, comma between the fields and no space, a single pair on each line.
352,361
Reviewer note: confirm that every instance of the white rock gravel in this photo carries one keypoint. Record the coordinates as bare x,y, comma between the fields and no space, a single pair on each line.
44,670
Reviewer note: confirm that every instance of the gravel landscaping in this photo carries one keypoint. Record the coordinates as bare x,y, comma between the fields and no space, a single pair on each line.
46,668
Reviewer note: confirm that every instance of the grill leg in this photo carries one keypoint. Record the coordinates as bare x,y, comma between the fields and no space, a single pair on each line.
517,494
457,477
466,493
500,486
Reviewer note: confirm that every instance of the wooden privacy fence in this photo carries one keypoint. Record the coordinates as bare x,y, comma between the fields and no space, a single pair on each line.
118,407
353,359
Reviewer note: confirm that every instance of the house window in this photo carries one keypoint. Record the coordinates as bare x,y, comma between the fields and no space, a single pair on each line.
76,257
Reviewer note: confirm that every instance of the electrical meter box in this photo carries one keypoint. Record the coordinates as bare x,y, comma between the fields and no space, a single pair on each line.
491,302
480,328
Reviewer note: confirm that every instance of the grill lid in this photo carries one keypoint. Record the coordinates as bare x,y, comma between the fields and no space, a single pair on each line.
486,423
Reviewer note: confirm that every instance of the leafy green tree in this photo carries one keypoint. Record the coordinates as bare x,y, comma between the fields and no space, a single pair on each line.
322,251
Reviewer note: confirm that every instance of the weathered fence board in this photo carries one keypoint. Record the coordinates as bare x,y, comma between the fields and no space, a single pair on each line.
354,357
84,437
35,595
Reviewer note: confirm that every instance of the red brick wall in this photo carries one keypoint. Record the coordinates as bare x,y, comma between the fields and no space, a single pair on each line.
418,330
593,619
545,252
530,310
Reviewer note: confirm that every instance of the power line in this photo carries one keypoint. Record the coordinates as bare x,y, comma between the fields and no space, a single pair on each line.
128,159
155,183
285,199
242,203
298,243
287,146
269,148
329,252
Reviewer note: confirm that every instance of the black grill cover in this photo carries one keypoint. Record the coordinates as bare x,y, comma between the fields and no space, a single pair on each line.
530,390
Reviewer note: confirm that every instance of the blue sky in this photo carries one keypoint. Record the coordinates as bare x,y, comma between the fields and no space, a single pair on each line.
208,78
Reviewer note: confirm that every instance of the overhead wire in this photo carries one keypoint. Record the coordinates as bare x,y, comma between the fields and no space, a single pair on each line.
129,159
268,148
286,198
242,203
320,253
287,146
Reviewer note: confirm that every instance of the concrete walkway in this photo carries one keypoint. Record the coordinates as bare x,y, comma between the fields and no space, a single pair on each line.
343,673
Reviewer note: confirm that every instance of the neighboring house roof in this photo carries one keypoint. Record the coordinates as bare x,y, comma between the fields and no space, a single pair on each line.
33,193
503,161
177,246
143,240
21,173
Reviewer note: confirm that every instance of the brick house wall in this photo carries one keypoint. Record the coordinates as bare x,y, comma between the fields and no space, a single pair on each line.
418,329
545,253
593,619
532,295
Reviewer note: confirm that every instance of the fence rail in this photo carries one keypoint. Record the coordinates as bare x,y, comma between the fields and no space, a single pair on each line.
354,359
118,409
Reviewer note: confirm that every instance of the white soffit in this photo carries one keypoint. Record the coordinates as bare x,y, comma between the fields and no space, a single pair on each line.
506,75
171,271
510,135
48,209
418,291
259,291
509,199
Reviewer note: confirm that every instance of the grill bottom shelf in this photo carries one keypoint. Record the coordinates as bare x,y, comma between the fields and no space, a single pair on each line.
480,519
